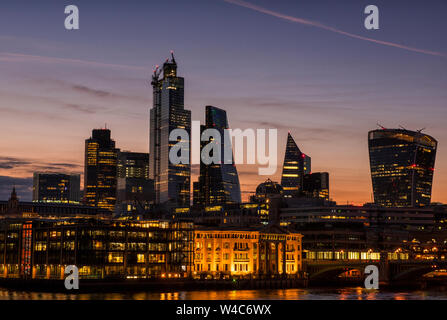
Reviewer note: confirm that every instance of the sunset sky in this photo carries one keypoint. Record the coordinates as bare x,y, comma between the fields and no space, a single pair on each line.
308,67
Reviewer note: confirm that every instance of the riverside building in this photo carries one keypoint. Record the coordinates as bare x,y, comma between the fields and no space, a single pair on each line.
41,248
246,252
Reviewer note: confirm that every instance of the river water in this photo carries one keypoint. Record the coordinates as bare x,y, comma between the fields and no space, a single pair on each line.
354,293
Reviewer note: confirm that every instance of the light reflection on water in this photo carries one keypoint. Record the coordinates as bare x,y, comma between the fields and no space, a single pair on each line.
357,293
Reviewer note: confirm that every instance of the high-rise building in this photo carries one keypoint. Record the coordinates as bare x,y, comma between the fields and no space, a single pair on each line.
402,166
56,187
296,165
135,190
218,182
100,170
172,181
133,165
316,185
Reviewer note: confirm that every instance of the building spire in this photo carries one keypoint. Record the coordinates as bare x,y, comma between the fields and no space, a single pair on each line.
13,193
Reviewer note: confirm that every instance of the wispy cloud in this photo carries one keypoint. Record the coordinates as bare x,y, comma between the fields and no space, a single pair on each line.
94,92
19,57
31,165
329,28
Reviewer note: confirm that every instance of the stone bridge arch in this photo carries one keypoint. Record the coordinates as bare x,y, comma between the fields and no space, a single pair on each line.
332,272
413,273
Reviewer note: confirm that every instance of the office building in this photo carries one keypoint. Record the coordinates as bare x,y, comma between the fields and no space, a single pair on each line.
101,249
246,252
316,185
100,175
56,187
14,208
135,191
218,182
402,165
265,192
296,165
172,181
346,232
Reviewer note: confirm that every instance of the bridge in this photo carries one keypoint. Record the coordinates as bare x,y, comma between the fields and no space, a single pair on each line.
390,271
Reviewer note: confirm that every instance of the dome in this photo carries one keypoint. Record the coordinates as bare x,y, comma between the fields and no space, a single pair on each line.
268,187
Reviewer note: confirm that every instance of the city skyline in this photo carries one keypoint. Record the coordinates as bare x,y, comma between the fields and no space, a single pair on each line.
57,87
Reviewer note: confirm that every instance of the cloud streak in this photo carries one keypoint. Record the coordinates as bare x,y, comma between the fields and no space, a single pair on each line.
19,58
329,28
31,165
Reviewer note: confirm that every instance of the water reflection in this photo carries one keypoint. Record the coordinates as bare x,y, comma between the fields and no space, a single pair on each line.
356,293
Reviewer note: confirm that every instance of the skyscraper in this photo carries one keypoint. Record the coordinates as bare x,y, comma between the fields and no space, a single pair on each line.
100,170
56,187
296,165
218,183
135,190
172,181
133,165
402,165
316,185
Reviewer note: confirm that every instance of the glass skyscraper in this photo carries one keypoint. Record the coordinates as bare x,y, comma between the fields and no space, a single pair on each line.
296,165
218,183
100,170
402,166
172,181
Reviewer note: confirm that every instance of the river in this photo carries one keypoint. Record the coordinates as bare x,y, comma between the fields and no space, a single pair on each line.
354,293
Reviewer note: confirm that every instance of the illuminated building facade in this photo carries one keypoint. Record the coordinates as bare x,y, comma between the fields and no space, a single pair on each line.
56,187
218,183
224,252
101,249
316,185
135,190
172,181
230,214
338,232
100,175
133,165
15,208
402,166
296,165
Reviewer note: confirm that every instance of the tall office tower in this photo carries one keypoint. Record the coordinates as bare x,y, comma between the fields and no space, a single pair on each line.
296,165
133,165
56,187
100,170
316,185
135,190
172,181
218,183
402,166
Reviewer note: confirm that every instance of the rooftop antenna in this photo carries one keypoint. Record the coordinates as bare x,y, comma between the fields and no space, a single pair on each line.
379,125
172,56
